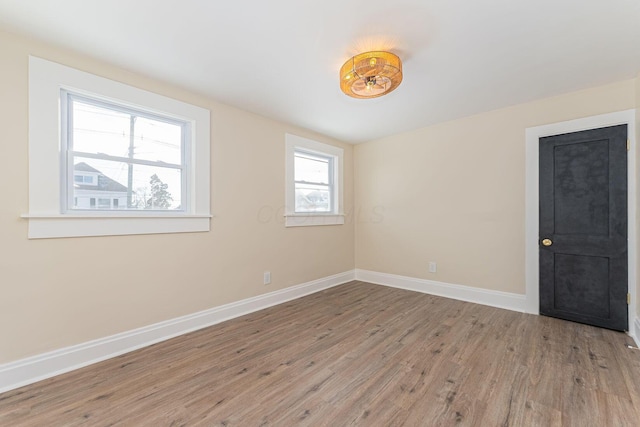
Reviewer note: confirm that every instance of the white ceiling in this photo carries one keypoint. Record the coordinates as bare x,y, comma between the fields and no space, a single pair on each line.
280,58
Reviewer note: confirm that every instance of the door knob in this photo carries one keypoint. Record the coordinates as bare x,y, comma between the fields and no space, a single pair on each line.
547,242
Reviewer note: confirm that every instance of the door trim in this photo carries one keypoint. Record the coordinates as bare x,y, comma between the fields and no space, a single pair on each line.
532,261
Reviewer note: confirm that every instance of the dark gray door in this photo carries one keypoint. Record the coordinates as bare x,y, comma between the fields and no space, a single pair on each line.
583,227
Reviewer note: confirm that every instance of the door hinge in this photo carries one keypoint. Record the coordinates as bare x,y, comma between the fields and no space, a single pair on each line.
628,298
628,145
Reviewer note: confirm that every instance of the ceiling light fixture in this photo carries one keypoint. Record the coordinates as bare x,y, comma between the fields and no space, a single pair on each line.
371,74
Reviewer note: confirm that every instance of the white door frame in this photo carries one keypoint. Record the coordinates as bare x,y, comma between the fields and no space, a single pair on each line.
532,261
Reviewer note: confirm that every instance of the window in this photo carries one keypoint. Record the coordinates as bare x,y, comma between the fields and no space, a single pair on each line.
314,183
137,161
314,186
84,179
129,152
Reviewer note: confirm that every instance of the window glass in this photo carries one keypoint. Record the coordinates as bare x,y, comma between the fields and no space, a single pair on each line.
116,151
309,168
99,130
312,198
313,182
158,141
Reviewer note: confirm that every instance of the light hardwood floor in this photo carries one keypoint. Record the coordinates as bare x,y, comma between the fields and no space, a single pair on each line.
356,354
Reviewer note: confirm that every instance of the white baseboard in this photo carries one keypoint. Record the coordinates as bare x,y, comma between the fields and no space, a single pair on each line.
506,300
26,371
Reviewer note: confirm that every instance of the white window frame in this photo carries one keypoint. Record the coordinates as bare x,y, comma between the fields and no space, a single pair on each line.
295,143
69,152
46,217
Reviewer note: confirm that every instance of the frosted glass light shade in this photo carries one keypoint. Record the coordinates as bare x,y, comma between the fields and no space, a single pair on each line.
371,74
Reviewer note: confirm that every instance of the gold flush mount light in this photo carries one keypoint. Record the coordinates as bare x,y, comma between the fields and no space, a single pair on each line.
371,74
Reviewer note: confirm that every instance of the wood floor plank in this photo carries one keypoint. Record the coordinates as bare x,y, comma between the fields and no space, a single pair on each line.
357,354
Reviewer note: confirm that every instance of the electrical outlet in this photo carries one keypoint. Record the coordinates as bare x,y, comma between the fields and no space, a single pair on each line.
267,277
433,267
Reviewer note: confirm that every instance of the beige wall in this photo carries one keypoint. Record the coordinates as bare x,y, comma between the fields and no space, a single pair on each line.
454,193
60,292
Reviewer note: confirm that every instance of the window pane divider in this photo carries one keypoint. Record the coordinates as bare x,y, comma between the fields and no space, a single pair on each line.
125,160
322,184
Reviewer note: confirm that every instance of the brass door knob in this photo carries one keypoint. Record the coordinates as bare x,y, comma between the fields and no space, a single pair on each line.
547,242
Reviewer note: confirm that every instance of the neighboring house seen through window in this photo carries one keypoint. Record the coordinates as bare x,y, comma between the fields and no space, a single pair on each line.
87,188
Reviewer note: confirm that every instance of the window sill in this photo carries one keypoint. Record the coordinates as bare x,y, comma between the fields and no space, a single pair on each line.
94,224
307,220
